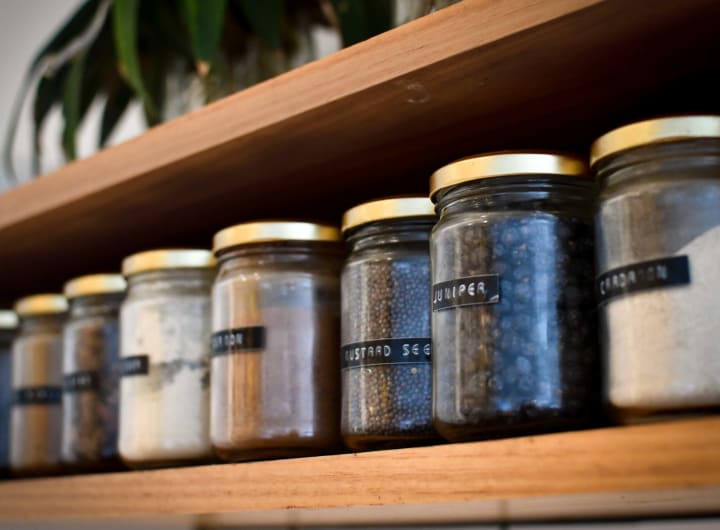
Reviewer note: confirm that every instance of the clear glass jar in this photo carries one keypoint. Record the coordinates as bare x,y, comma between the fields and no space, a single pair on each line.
275,323
36,416
8,328
90,372
386,353
165,352
658,238
513,322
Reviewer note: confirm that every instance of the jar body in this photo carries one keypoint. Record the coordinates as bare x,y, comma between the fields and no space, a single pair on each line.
658,232
164,384
6,338
36,414
386,342
91,383
275,383
514,334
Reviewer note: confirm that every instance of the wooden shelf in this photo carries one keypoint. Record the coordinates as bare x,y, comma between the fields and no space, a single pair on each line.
371,120
663,468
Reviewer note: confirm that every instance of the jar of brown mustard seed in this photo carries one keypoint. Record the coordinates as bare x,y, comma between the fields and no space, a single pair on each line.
386,343
91,372
275,322
36,415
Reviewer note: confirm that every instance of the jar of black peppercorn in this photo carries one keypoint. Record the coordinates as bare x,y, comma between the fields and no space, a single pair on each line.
36,415
386,343
513,313
90,372
8,327
275,384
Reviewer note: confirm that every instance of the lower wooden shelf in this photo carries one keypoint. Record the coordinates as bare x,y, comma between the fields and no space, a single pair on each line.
652,469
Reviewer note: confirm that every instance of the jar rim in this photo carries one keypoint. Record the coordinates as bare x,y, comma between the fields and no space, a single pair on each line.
273,232
506,164
8,319
93,284
658,130
41,304
387,208
172,258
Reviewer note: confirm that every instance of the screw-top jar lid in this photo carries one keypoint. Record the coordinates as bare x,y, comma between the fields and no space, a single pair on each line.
273,231
8,319
659,130
41,304
505,164
95,284
175,258
389,208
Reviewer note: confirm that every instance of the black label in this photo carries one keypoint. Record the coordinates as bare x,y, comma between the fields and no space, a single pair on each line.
238,340
81,382
474,290
38,395
386,351
653,274
134,365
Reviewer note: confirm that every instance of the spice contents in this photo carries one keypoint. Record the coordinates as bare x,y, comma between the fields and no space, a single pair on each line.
386,349
8,325
36,415
275,370
164,386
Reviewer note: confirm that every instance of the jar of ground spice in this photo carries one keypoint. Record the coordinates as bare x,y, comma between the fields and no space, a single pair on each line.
36,414
514,335
386,343
90,372
658,234
8,328
276,322
164,350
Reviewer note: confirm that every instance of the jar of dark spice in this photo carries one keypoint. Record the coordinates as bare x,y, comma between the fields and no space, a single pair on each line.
276,322
658,249
513,313
90,372
8,327
36,416
165,356
386,342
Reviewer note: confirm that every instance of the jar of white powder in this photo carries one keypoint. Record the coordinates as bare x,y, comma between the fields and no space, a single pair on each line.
164,350
658,249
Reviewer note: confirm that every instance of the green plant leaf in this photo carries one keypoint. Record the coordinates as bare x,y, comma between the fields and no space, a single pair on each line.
265,19
204,19
125,29
361,19
379,16
115,106
48,93
72,96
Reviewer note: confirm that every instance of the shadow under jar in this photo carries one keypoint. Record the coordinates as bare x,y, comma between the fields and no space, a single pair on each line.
91,373
36,416
658,237
386,352
165,355
513,308
8,328
275,321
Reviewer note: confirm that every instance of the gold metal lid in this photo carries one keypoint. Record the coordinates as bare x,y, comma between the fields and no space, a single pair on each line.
169,258
273,231
389,208
41,304
667,129
95,284
504,164
8,319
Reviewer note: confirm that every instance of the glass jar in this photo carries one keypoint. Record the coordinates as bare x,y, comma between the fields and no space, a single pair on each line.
386,343
8,327
658,235
90,372
36,415
165,354
276,319
513,310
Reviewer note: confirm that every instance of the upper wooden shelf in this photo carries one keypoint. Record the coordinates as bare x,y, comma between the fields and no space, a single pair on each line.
372,120
654,469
